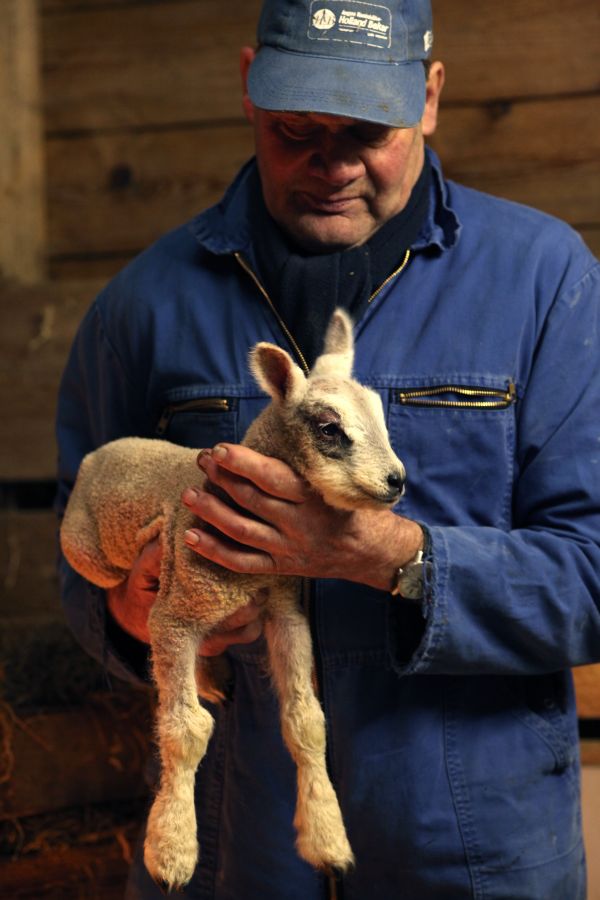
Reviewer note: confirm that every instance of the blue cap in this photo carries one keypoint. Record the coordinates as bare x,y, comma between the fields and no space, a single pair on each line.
344,58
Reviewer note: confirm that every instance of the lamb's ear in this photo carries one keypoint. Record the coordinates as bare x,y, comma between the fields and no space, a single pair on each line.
277,373
338,351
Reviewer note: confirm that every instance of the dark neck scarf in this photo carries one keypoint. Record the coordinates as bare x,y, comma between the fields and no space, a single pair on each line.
306,288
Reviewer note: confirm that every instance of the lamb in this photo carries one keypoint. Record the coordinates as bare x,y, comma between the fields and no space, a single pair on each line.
331,430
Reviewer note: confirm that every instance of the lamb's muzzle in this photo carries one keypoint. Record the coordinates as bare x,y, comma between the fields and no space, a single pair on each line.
331,430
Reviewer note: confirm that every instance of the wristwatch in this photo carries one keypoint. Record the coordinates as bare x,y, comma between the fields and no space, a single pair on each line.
410,578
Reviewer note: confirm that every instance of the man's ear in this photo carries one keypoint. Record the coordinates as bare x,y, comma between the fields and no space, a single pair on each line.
435,83
277,373
247,55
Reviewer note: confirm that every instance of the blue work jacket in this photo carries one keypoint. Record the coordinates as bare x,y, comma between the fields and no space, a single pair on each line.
452,731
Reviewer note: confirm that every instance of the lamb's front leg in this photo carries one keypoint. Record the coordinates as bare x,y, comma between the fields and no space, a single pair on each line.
322,839
184,728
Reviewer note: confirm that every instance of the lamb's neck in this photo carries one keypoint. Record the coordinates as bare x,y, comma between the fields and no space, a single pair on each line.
269,435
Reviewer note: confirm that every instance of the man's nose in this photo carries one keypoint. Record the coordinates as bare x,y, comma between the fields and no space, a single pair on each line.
336,160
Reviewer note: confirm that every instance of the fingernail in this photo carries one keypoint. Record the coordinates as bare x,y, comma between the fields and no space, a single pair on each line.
203,454
191,537
219,451
189,496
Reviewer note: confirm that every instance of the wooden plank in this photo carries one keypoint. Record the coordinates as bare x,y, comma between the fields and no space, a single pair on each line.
37,325
507,150
590,795
58,759
28,579
22,237
514,49
177,62
153,63
587,685
69,873
590,752
115,194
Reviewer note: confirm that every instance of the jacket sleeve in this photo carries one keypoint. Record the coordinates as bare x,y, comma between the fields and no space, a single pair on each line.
97,403
527,601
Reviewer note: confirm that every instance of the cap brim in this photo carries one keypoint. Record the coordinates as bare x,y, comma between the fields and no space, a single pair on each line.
387,93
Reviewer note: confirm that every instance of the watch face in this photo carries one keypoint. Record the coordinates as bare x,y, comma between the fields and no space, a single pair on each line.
410,582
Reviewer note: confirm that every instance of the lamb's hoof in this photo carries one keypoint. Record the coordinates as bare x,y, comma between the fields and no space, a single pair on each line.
170,870
332,858
166,889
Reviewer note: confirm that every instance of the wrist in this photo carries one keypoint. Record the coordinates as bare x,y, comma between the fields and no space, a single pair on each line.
393,547
409,580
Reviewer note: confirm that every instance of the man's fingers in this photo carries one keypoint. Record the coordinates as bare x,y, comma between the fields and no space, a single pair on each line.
228,521
218,642
228,555
242,627
272,476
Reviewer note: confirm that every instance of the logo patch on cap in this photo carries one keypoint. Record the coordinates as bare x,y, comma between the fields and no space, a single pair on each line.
350,21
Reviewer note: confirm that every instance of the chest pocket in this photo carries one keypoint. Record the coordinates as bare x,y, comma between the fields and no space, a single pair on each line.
202,417
456,439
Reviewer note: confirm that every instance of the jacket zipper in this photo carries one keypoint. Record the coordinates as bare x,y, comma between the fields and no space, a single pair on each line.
454,396
300,356
332,886
397,271
247,268
200,404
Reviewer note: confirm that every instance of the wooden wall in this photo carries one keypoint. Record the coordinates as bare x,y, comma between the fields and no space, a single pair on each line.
144,127
119,120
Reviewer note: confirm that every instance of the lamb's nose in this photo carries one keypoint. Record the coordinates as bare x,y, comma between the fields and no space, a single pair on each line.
396,481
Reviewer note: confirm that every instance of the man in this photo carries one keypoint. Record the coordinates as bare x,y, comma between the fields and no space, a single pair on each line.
443,634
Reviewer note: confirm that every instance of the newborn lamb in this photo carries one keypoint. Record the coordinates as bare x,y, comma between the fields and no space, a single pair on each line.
331,430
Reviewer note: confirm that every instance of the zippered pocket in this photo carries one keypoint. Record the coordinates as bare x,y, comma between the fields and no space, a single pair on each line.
199,421
198,405
456,438
455,396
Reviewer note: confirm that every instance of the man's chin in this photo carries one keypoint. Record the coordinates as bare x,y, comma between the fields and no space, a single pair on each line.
327,234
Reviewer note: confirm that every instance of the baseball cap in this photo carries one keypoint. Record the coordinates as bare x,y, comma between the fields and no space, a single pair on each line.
343,57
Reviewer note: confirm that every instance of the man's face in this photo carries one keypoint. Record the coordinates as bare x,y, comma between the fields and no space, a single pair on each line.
331,182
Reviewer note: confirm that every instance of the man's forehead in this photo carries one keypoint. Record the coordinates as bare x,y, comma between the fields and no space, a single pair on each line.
325,119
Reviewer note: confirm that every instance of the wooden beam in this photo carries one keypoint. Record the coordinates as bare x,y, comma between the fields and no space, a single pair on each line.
22,224
37,325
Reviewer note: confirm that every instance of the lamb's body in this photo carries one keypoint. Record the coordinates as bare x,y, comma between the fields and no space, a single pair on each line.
129,491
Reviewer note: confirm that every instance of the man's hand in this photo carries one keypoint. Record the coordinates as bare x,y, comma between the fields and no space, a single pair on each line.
131,601
294,532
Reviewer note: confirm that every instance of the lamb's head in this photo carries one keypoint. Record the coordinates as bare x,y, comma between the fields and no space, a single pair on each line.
327,426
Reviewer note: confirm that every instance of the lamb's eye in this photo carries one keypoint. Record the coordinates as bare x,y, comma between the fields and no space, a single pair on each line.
330,430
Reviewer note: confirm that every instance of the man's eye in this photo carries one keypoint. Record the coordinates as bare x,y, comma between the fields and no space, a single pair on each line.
372,135
296,132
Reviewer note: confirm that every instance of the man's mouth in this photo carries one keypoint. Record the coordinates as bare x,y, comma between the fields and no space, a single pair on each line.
327,205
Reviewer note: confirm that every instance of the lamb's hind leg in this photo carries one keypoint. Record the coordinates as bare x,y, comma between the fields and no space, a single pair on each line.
184,729
322,837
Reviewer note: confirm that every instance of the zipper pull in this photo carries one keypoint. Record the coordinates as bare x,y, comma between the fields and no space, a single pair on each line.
165,418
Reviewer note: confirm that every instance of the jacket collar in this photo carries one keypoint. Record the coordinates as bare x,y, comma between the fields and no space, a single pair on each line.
225,227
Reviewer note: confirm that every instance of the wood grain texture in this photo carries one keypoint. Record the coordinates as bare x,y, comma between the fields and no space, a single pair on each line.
115,193
37,325
137,64
57,759
22,223
587,685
